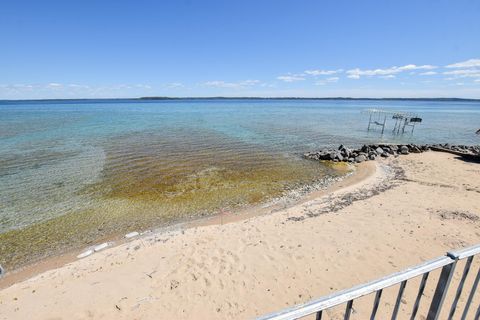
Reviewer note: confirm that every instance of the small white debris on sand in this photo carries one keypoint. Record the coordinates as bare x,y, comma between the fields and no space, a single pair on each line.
131,235
85,254
101,246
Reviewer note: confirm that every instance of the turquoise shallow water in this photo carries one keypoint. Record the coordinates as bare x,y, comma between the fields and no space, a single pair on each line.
102,167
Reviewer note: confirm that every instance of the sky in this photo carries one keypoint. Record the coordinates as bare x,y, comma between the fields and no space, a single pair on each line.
268,48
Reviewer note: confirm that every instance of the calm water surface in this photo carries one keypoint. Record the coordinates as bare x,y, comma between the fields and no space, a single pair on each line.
74,172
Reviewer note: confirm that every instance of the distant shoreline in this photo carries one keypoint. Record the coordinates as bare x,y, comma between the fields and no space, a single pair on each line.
160,98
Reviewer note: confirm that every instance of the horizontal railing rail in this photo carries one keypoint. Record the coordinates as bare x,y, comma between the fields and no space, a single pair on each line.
447,263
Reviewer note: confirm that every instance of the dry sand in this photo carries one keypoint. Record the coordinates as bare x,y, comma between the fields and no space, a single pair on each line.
410,209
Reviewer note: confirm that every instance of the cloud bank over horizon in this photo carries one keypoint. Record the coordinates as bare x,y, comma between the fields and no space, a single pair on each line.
458,79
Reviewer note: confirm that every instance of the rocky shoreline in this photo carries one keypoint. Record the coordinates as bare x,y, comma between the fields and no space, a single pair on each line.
372,151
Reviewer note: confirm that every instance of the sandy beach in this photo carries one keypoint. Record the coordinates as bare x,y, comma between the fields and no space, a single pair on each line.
394,213
267,160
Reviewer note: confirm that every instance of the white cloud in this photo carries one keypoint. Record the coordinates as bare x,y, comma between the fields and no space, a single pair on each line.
415,67
220,84
465,64
357,73
234,85
174,85
428,73
390,76
249,82
464,73
267,85
353,76
78,86
19,86
291,78
326,81
322,72
55,90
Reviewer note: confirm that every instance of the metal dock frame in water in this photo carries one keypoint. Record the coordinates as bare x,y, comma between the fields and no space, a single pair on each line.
447,263
378,118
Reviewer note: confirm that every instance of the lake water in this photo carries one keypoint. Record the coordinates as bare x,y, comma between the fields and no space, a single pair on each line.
72,173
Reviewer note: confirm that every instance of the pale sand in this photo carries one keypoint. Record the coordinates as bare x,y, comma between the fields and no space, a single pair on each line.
251,267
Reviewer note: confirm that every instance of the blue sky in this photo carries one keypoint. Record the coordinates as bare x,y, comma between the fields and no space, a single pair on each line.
101,49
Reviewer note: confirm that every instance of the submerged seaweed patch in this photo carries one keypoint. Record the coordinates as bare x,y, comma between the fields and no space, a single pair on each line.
144,184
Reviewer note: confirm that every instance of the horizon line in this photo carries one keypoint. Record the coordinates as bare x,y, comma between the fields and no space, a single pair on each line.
245,98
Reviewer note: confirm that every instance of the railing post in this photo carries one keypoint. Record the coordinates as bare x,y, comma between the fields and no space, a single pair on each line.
466,269
441,291
348,310
421,288
399,300
470,296
376,302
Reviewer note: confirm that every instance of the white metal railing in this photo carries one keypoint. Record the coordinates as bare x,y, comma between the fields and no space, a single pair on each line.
447,262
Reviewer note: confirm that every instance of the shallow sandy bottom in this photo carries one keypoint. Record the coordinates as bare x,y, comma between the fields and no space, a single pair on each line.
411,209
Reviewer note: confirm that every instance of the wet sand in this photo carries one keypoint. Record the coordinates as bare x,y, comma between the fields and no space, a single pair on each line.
408,210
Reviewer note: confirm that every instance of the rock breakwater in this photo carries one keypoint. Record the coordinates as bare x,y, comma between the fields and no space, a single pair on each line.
372,151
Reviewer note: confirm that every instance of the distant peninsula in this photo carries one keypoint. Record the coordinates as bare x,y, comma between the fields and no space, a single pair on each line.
164,98
303,98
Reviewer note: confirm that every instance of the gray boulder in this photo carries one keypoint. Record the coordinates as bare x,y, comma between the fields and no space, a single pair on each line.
379,151
360,158
403,149
345,152
415,149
